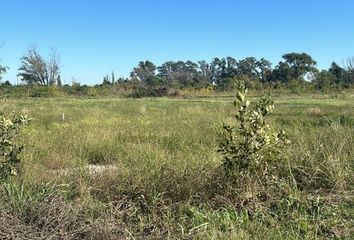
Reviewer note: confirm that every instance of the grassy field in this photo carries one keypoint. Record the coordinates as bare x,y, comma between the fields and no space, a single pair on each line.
164,179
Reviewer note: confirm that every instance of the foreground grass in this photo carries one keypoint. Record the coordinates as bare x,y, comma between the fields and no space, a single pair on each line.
166,181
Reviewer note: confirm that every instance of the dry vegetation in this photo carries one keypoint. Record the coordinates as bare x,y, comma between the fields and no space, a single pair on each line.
167,181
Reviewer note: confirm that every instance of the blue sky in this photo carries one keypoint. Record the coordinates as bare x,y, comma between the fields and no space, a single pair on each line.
96,37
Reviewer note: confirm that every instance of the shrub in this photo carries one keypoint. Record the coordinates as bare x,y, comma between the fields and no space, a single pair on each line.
149,92
9,150
249,144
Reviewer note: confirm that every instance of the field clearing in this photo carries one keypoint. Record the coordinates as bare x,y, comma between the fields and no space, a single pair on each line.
164,153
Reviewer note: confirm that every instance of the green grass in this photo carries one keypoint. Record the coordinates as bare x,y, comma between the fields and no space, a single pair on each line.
167,183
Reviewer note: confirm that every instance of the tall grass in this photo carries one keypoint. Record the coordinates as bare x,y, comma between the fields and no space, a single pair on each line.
167,182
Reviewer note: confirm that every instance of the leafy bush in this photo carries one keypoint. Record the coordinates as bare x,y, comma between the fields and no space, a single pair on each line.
9,150
249,144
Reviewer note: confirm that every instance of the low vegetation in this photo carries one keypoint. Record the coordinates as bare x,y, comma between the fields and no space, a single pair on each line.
9,150
162,176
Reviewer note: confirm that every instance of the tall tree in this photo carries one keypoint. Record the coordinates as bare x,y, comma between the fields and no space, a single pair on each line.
294,67
165,70
264,69
106,80
143,71
300,64
35,69
248,67
205,71
324,80
338,72
180,73
223,68
113,79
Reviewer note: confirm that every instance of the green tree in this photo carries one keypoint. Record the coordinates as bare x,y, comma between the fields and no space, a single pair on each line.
155,82
325,80
300,64
144,70
338,72
294,67
264,69
205,72
182,74
248,67
106,80
6,83
223,68
254,69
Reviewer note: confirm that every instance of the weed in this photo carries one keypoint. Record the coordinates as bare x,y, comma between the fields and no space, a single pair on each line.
9,150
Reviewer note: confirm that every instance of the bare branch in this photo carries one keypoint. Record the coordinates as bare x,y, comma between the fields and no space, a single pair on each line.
37,70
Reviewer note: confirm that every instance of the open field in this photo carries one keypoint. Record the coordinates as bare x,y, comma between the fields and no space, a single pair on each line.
165,180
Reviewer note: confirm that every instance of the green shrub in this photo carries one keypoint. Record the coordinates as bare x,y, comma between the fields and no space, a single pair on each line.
249,144
9,150
149,92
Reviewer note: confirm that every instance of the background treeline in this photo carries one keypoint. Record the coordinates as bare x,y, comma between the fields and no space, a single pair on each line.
296,72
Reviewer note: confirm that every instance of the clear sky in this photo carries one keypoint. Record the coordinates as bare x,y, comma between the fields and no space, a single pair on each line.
96,37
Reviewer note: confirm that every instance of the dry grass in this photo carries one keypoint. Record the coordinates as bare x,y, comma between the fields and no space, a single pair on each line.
167,182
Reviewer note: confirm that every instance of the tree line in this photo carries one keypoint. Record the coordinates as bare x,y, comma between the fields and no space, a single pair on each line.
225,72
222,73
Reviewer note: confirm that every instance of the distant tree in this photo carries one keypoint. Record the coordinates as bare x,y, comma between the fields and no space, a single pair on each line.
350,64
338,72
205,72
3,69
35,69
349,76
223,68
166,70
6,83
59,83
300,64
264,69
281,73
75,84
106,80
144,70
227,84
253,69
171,71
182,74
324,80
248,67
231,66
155,82
190,74
294,67
113,79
